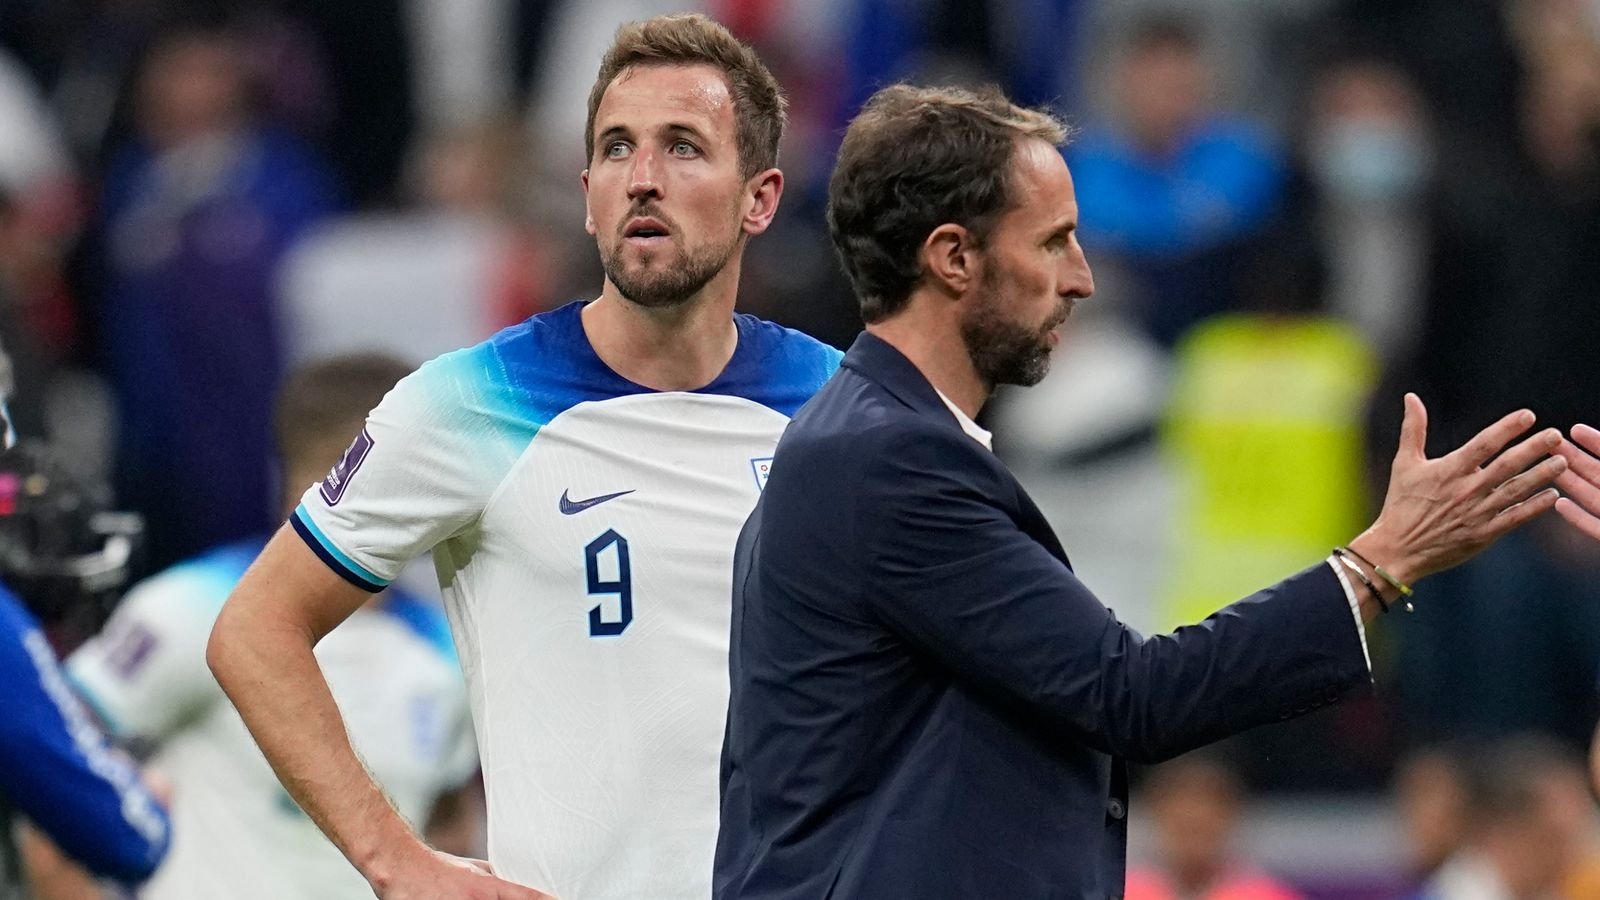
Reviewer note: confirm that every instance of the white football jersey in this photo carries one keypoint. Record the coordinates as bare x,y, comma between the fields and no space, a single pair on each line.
236,833
583,529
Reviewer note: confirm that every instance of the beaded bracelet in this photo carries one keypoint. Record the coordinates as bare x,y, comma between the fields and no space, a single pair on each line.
1365,581
1404,589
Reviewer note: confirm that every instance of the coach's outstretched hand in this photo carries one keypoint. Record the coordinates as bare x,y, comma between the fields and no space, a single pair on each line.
1441,512
434,875
1581,481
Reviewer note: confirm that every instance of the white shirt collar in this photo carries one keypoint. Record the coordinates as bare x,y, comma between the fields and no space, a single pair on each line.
967,425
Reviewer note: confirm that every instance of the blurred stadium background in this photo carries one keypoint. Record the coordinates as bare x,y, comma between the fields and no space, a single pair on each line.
1296,209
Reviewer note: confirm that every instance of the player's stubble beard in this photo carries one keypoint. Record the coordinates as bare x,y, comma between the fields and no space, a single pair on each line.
672,285
1005,351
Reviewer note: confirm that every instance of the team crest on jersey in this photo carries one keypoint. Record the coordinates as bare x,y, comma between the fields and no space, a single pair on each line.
333,486
762,467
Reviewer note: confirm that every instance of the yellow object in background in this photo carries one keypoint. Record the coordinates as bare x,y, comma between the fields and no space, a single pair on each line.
1265,433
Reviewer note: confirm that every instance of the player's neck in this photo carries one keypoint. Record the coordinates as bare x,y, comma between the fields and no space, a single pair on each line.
932,342
678,349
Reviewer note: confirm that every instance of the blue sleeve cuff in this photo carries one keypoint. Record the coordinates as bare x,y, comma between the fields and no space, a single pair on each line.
344,566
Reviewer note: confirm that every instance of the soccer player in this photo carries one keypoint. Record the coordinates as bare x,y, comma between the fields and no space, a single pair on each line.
75,800
236,834
580,480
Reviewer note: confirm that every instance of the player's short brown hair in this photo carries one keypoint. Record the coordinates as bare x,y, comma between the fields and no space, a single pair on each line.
916,158
324,404
692,39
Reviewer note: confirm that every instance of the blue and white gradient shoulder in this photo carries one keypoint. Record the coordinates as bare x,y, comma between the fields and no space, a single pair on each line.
439,445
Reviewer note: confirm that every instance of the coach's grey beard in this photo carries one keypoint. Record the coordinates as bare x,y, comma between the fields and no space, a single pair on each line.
1007,352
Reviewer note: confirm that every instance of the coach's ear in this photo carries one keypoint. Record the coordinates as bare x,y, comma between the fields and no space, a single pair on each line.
950,260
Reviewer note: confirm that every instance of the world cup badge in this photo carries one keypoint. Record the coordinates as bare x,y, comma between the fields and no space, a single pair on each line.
762,467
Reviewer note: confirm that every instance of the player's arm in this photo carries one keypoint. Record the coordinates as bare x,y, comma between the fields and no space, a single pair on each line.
261,653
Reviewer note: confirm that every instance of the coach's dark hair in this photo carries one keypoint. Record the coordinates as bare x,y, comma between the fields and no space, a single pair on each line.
692,39
916,158
323,404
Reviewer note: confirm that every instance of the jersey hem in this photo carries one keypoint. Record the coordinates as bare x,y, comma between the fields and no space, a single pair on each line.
342,565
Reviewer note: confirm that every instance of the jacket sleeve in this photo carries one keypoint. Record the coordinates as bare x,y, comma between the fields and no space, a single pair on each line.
57,769
951,572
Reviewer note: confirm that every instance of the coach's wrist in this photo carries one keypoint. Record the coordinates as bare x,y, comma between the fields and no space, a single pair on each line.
1373,549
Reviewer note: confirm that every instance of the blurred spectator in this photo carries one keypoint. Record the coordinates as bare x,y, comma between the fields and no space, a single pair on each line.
31,148
1170,186
1025,46
1509,322
1196,804
40,215
462,264
1530,821
391,667
1430,790
1369,158
1265,430
368,50
195,216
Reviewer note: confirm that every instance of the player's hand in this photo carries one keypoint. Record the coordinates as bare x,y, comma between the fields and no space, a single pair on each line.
439,876
1441,512
1581,484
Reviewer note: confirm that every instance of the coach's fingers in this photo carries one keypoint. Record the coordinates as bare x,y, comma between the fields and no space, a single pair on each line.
1490,441
1514,517
1514,461
1413,431
1521,487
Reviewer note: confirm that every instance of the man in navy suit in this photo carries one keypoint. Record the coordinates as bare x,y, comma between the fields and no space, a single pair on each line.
926,701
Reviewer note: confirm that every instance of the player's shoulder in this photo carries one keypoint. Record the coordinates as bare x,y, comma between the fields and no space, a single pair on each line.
795,353
542,342
516,380
777,367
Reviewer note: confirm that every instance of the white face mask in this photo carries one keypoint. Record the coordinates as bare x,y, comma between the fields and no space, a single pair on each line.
1370,161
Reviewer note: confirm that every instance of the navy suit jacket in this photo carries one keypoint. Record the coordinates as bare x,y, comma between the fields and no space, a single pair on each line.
927,703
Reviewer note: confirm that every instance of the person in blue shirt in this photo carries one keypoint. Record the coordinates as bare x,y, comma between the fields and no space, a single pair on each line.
61,783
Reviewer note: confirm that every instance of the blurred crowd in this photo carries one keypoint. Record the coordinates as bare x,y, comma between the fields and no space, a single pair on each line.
1296,210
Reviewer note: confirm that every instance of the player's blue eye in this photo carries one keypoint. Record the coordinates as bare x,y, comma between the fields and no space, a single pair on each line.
684,148
616,149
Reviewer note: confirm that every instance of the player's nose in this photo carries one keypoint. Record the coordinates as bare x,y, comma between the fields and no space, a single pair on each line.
643,179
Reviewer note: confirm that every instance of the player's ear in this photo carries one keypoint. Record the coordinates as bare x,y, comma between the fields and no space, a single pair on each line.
762,193
588,217
950,259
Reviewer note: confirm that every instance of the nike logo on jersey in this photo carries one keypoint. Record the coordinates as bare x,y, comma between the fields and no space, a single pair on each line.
573,507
